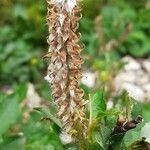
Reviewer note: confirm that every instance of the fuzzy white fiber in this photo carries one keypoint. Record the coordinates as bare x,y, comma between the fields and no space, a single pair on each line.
68,4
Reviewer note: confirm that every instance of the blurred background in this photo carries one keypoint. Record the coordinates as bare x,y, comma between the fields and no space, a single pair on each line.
116,36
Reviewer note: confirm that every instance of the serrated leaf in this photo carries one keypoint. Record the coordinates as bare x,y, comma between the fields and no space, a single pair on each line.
97,104
116,141
105,134
49,115
9,111
131,136
97,138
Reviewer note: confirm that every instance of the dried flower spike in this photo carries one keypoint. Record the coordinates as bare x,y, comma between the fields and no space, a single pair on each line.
64,71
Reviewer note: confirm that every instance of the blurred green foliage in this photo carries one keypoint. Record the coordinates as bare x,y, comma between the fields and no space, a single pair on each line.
110,30
23,34
40,130
22,41
127,22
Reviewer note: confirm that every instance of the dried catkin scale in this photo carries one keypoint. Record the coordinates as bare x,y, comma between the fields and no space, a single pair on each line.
64,71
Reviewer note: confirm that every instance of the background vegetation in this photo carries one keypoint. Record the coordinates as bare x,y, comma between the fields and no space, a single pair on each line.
111,29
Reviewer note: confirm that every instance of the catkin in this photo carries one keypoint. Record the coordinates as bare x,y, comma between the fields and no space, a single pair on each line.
64,70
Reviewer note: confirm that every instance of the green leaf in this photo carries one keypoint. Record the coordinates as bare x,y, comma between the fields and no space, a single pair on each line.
145,132
97,138
14,143
105,134
116,141
72,148
49,141
137,35
137,109
111,112
49,115
21,91
131,136
127,102
45,91
111,120
55,141
9,111
97,104
95,146
133,107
